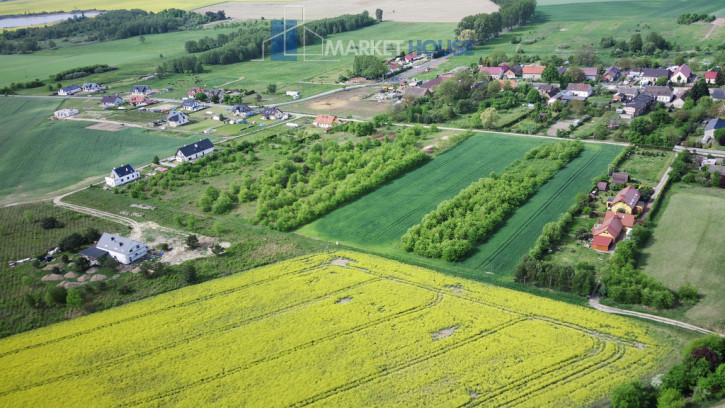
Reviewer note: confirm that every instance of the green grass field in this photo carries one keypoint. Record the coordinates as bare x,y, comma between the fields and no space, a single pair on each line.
41,156
686,247
333,329
577,10
377,220
647,166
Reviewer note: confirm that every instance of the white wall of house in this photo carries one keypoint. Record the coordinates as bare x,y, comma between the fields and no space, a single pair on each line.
127,259
679,78
181,158
115,181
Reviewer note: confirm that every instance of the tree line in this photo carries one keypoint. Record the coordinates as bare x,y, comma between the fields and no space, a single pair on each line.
80,72
509,14
111,25
453,229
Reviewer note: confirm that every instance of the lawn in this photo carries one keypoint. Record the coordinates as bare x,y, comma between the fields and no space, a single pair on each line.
333,329
378,220
577,10
42,156
647,166
686,247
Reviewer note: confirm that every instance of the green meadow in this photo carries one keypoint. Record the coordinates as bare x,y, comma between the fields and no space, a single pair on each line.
578,10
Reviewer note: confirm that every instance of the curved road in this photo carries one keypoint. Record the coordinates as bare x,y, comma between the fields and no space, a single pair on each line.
594,302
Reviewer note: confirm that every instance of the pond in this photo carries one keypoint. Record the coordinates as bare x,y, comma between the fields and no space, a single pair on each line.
42,19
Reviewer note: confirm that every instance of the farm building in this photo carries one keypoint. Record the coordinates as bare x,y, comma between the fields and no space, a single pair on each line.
625,94
432,84
69,90
191,105
326,121
580,90
660,93
65,113
652,74
717,94
601,242
637,106
416,92
590,73
194,151
121,249
532,71
602,186
620,178
176,119
140,90
91,87
271,113
111,100
243,111
627,201
682,74
711,127
122,175
219,93
546,90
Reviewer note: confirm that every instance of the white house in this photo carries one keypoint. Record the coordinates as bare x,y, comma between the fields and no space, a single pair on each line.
293,94
65,113
177,118
269,113
712,126
326,121
581,90
191,105
194,151
140,90
660,93
122,175
682,74
122,249
111,100
69,90
91,86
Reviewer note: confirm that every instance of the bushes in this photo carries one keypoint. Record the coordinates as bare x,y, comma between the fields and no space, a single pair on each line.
579,279
457,225
81,72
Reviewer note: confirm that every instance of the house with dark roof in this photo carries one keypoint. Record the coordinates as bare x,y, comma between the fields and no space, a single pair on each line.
651,75
140,90
123,250
272,113
625,94
194,151
219,93
626,201
602,186
91,87
122,175
580,90
111,100
620,178
177,118
69,90
243,111
682,74
546,90
711,127
432,84
717,94
637,106
611,74
660,93
191,105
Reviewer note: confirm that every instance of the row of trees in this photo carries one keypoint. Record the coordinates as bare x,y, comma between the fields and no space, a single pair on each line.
480,27
80,72
647,45
579,279
689,18
114,24
315,181
458,225
181,65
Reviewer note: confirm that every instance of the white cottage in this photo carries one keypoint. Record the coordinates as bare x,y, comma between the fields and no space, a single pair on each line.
194,151
69,90
122,249
177,118
122,175
91,87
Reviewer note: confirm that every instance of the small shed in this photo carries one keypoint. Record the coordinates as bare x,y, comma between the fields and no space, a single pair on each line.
602,186
601,243
620,178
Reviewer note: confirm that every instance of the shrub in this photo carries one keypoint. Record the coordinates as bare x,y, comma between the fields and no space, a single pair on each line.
192,242
50,223
74,298
687,293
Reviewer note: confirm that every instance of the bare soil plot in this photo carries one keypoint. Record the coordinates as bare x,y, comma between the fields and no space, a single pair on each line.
106,126
562,124
355,102
425,11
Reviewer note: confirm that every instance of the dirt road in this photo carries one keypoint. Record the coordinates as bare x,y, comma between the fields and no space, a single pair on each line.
594,302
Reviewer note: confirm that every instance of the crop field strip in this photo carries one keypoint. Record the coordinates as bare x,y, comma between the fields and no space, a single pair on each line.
552,199
366,271
362,222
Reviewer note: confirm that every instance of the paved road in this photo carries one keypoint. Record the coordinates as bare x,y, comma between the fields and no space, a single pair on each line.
594,302
658,188
421,68
701,152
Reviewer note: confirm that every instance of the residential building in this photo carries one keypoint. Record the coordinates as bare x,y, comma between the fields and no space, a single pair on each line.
121,249
219,93
243,111
637,106
627,201
546,90
626,94
711,77
122,175
682,74
494,72
611,74
509,74
711,127
177,119
608,229
194,151
69,90
271,113
532,71
91,87
590,73
416,92
326,121
651,75
580,90
195,90
111,100
140,90
140,100
717,94
602,186
432,84
716,168
660,93
65,113
191,105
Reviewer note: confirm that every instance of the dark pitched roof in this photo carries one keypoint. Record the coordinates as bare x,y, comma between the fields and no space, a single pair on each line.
655,72
71,87
109,98
140,88
715,124
197,147
717,93
175,116
92,252
641,101
270,111
189,103
241,108
620,178
658,90
124,170
629,195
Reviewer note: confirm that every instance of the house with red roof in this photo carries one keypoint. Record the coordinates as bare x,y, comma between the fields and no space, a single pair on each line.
326,121
682,74
193,91
711,77
590,73
607,230
411,57
532,71
627,201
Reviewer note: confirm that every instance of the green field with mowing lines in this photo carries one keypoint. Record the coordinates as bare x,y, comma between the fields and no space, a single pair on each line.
563,10
686,247
377,220
40,156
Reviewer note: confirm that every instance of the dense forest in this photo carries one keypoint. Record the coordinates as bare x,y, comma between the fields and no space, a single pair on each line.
509,14
458,225
111,25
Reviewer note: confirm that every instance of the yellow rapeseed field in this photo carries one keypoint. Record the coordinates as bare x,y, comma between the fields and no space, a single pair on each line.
35,6
334,329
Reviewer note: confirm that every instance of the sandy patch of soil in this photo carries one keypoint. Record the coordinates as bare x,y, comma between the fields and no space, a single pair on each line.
154,235
51,277
69,285
442,334
457,289
109,127
85,278
344,300
424,11
339,262
562,124
70,275
98,277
